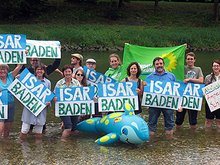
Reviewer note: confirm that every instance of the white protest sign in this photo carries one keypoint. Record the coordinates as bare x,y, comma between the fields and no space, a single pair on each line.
212,95
74,101
162,94
173,95
31,92
4,104
43,49
113,96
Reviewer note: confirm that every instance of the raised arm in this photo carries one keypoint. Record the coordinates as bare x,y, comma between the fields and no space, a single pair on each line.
16,70
52,67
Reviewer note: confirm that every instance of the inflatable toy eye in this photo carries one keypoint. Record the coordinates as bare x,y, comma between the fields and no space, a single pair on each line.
125,131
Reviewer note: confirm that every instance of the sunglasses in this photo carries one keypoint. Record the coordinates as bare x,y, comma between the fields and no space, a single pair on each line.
80,75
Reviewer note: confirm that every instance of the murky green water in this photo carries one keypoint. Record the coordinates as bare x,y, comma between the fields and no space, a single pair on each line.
187,147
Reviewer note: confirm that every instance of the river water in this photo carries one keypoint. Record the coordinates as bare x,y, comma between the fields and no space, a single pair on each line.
187,146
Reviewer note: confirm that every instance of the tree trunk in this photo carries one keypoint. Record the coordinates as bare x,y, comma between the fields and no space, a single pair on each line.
216,10
120,2
156,3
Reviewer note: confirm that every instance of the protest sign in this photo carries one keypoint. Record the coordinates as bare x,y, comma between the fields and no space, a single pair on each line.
192,96
113,96
212,95
43,49
162,94
12,49
172,95
94,78
74,101
31,92
4,104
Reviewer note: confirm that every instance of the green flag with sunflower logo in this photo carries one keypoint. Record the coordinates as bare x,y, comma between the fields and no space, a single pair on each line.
173,58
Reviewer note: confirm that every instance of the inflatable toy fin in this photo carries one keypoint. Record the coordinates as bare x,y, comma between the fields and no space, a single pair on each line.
128,109
88,125
107,139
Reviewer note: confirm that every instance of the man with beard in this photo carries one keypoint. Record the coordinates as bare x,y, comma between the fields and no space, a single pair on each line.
76,62
160,74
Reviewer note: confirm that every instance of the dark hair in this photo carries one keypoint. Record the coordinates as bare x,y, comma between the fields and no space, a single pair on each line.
42,66
213,75
138,69
84,82
65,67
156,59
191,54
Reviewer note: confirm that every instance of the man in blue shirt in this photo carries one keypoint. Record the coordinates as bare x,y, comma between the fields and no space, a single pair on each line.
154,113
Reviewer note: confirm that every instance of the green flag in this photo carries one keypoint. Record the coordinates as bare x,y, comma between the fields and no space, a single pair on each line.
173,58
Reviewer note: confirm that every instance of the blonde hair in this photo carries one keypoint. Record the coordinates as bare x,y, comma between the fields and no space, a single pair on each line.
116,56
3,66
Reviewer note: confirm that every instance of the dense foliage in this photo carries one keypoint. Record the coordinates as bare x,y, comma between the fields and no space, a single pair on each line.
14,9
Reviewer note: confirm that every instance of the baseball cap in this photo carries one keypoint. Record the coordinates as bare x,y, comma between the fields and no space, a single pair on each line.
91,60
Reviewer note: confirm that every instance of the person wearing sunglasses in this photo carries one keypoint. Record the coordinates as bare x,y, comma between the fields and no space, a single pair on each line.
115,67
49,68
79,75
192,74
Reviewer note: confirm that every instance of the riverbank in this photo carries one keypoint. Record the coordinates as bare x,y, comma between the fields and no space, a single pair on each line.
85,28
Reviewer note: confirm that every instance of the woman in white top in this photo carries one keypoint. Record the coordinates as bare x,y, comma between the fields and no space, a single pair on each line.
28,118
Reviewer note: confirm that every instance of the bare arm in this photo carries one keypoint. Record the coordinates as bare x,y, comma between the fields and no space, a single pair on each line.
199,80
16,70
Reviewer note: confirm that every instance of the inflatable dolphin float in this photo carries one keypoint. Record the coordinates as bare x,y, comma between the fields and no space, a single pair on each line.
124,126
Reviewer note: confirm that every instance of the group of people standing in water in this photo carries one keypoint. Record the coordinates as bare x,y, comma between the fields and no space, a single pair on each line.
73,76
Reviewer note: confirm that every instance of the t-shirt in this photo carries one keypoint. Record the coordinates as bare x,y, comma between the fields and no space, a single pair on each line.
195,72
114,73
4,86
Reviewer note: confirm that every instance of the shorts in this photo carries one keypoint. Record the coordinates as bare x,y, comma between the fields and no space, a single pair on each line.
11,112
211,115
26,127
192,117
69,122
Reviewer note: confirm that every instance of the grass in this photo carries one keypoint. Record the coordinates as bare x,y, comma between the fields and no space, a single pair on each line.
86,26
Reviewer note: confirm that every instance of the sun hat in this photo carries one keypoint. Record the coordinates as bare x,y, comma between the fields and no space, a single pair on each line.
77,55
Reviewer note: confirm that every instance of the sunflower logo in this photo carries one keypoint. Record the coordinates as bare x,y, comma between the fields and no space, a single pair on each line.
170,61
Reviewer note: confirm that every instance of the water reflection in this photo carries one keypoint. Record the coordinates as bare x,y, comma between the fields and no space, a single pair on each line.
187,147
